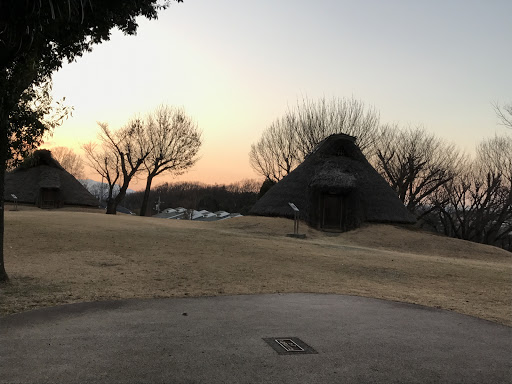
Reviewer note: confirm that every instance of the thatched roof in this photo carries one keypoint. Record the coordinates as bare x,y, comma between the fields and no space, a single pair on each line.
335,166
41,171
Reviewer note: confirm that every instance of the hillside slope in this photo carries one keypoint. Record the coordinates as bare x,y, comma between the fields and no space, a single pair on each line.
57,257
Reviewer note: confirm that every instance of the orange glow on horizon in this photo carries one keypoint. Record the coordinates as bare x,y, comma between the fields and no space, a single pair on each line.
212,167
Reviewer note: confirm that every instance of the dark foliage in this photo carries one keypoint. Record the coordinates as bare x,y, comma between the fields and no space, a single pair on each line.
237,197
267,184
34,116
36,37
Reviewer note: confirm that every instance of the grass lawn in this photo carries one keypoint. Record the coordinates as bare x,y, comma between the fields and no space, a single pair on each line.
62,256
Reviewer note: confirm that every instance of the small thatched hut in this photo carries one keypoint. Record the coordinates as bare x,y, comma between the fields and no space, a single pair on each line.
335,188
42,181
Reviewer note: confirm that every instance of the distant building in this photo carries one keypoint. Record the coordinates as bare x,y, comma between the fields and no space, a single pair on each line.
181,213
42,181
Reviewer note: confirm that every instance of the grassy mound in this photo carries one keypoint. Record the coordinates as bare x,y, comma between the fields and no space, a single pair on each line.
57,257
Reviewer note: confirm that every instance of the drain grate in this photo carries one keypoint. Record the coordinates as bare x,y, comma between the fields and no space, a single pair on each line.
289,345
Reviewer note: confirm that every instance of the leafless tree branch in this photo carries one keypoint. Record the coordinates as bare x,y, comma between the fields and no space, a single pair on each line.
504,114
174,140
289,139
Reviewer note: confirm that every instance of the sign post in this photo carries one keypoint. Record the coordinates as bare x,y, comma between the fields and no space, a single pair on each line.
15,201
295,222
295,218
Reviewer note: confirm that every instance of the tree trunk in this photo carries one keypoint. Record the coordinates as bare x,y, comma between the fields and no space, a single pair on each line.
111,206
145,200
3,159
113,203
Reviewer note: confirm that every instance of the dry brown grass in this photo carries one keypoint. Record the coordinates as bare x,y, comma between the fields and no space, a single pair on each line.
57,257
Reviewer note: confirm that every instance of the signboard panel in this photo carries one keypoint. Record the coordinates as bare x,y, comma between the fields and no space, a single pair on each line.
293,207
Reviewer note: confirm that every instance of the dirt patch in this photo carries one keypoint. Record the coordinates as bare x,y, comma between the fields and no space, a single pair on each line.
56,257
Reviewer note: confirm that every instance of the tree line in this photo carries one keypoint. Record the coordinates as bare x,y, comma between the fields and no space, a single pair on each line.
449,191
235,197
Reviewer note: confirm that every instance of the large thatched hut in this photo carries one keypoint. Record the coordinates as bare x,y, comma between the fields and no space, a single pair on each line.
335,188
42,181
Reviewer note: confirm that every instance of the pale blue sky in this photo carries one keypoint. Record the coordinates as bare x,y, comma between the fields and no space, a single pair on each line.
235,66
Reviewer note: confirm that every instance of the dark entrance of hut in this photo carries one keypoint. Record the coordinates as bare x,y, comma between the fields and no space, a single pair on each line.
331,212
49,198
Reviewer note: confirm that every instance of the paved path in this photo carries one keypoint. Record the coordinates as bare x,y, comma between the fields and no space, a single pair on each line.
220,340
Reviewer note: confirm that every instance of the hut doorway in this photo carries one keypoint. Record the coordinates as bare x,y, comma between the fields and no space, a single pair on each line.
49,198
332,212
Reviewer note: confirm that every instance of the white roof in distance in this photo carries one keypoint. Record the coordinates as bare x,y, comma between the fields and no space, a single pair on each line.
181,213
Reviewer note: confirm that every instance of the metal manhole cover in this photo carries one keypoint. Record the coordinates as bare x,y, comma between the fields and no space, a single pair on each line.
289,345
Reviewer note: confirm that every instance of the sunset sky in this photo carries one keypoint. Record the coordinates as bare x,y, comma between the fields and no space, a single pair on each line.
235,66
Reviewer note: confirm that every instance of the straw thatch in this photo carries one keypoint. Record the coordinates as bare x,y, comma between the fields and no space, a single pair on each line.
42,181
337,169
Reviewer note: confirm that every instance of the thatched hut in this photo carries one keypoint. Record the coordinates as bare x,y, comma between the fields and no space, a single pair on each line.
42,181
335,188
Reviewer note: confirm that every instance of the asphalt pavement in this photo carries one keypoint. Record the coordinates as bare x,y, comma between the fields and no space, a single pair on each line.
232,339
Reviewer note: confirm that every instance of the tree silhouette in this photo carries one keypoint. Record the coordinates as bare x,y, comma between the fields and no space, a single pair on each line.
174,140
38,36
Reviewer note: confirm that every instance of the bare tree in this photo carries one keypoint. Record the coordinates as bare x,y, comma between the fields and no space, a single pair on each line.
415,163
476,204
36,38
276,154
106,163
504,114
119,157
494,166
173,141
69,160
495,155
317,120
288,140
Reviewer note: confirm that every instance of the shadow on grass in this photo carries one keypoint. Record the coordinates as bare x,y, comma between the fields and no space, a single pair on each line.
22,293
